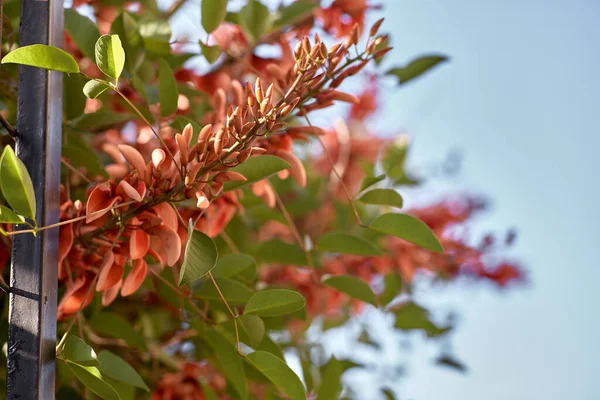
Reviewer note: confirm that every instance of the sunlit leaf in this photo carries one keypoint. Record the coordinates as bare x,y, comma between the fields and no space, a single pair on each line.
200,256
274,302
8,216
408,228
94,88
92,379
352,286
16,184
117,368
110,56
213,13
256,169
82,31
382,197
278,372
416,67
125,26
346,243
371,180
77,351
230,361
167,89
42,56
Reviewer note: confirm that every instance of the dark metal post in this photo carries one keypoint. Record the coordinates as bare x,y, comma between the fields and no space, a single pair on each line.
33,280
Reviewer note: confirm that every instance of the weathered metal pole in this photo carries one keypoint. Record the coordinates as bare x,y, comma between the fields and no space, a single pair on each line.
33,280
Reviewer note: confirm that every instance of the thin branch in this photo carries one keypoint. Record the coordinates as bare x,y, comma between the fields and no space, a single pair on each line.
233,315
230,243
75,170
3,121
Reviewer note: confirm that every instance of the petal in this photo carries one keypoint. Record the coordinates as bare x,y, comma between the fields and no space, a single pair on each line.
170,241
108,296
73,298
138,244
101,198
110,273
125,190
134,158
135,278
64,246
116,171
220,221
168,215
158,157
296,167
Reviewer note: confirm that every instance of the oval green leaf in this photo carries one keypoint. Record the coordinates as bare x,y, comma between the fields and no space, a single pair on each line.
211,53
8,216
382,197
234,265
167,89
92,89
370,181
200,256
233,291
274,302
255,19
16,184
278,372
416,67
77,351
276,251
83,31
92,379
114,366
113,325
352,286
331,384
408,228
346,243
213,13
42,56
255,169
110,56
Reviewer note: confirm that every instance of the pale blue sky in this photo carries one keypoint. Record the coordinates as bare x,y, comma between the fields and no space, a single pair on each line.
520,100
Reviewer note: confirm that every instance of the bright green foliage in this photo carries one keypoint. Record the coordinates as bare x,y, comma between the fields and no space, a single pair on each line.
331,385
382,197
94,88
274,302
167,89
346,243
8,216
110,56
200,256
213,13
16,184
352,286
416,67
42,56
117,368
77,351
211,53
255,18
408,228
93,380
83,31
279,373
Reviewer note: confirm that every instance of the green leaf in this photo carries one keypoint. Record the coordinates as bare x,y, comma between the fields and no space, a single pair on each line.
83,31
230,361
274,302
42,56
293,13
211,53
213,13
371,180
117,368
352,286
16,184
392,286
233,291
73,98
126,28
410,316
156,35
167,89
254,328
101,119
389,395
382,197
125,390
110,56
451,362
408,228
346,243
92,379
209,394
8,216
113,325
232,265
92,89
278,372
268,345
255,19
255,169
200,256
416,67
331,384
77,351
276,251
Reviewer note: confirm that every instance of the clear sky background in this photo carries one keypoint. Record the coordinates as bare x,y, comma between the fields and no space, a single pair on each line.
520,100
